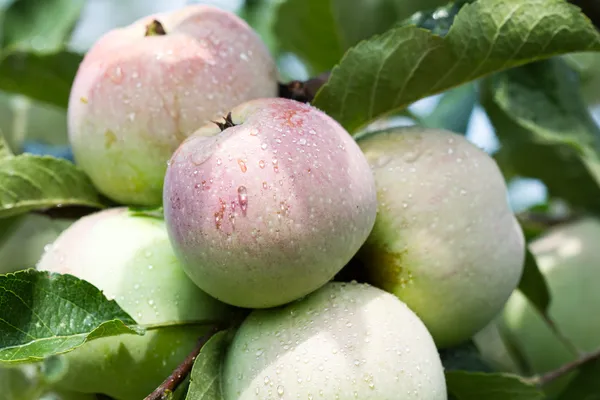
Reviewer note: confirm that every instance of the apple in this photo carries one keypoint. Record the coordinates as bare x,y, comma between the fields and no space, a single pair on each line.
343,341
143,88
569,259
130,259
24,238
270,205
22,383
445,240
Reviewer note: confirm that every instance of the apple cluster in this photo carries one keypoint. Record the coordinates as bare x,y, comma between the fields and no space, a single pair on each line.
266,200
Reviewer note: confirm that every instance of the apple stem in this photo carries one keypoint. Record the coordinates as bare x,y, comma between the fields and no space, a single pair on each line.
155,28
305,91
172,382
227,124
549,377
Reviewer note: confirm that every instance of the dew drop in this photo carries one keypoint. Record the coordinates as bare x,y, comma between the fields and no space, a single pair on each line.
243,197
242,165
280,390
261,163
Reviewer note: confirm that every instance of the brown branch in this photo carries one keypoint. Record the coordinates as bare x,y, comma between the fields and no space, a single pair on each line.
303,91
546,220
183,370
551,376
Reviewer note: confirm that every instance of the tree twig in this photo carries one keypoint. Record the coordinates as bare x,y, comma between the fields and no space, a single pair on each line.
546,220
551,376
183,370
303,91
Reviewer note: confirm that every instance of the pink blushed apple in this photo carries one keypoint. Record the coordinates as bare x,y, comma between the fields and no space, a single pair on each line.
142,89
272,207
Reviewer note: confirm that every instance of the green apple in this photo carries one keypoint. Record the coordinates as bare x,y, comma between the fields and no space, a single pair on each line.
130,259
24,237
23,383
445,240
569,258
344,341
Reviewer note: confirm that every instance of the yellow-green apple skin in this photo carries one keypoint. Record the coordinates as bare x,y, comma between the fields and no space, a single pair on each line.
445,239
135,97
26,236
569,258
130,259
344,341
270,209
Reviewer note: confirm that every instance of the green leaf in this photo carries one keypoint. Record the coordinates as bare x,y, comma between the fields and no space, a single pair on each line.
587,66
43,77
546,131
154,212
391,71
43,314
40,25
336,25
29,182
464,357
533,284
585,385
465,385
205,378
454,110
438,20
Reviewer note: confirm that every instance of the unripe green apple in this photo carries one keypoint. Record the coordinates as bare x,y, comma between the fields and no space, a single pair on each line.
131,260
22,383
344,341
272,207
569,258
445,240
136,96
24,238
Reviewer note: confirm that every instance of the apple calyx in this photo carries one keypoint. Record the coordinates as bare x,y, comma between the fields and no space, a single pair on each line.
155,28
227,124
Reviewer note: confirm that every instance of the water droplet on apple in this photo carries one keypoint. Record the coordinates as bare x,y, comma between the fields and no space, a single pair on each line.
242,165
243,197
